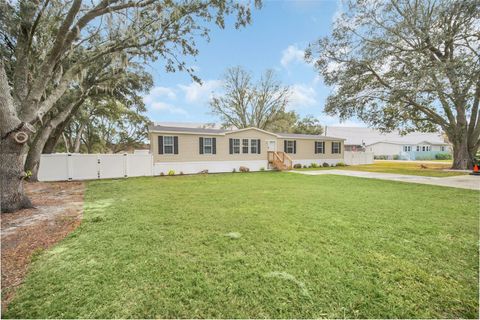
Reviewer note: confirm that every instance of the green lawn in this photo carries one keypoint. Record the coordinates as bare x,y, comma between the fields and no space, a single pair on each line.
257,245
402,167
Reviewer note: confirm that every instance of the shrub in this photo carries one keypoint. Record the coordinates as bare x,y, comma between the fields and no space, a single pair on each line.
305,166
325,165
244,169
314,165
262,169
396,157
340,164
297,166
162,174
28,175
443,156
204,171
234,170
380,157
425,157
171,172
181,173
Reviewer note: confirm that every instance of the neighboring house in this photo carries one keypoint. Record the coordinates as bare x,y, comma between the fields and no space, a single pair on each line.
391,145
191,150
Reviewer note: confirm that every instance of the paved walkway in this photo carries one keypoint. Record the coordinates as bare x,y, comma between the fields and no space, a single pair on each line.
464,182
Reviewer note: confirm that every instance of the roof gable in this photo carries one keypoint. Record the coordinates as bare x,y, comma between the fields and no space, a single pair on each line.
251,128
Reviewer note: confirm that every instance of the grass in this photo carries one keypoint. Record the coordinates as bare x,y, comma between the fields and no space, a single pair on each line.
258,245
401,167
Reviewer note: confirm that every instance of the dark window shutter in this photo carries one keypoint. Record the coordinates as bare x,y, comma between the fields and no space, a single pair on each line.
230,145
284,145
214,145
316,144
175,145
200,145
332,146
294,146
258,147
323,149
160,144
339,147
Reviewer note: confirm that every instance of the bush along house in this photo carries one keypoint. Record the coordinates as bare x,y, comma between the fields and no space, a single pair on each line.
194,150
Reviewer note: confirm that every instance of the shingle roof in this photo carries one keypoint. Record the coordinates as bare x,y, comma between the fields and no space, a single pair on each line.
186,129
194,130
368,136
305,136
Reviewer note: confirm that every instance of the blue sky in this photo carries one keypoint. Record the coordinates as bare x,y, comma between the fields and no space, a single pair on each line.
280,32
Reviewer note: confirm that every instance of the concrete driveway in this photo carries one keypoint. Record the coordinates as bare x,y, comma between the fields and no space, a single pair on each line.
463,182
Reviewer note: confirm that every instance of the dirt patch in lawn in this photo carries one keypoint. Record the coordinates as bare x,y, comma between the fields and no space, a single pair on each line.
57,211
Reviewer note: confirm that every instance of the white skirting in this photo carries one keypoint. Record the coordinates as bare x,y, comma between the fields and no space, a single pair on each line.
211,166
308,162
225,166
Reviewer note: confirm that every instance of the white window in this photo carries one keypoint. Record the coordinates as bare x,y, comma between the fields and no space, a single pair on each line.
290,146
207,146
407,148
335,147
254,146
418,148
442,148
319,147
168,145
244,145
236,145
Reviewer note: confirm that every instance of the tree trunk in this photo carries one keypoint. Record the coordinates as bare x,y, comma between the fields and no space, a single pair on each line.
462,157
78,139
35,152
12,156
53,140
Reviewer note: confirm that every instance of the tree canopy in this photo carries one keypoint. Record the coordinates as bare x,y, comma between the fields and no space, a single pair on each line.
47,48
247,104
408,65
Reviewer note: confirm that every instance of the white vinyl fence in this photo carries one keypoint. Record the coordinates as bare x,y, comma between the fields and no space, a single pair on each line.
72,166
352,158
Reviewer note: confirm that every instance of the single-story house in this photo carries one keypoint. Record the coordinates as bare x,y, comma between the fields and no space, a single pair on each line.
192,150
415,145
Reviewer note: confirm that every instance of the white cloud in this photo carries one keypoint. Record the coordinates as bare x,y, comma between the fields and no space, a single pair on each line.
159,93
302,96
292,54
162,106
195,93
335,121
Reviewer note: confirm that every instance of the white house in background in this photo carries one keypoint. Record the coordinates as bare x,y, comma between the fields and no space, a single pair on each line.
415,145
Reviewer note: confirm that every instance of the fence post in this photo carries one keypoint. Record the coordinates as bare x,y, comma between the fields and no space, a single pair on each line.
69,167
125,165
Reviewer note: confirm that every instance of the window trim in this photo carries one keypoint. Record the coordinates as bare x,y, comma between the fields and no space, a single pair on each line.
339,147
292,147
320,147
238,146
253,143
205,145
168,145
245,146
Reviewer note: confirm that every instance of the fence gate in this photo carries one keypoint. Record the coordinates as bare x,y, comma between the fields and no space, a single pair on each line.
72,166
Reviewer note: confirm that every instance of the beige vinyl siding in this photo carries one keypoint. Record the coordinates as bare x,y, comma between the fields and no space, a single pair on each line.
188,147
306,149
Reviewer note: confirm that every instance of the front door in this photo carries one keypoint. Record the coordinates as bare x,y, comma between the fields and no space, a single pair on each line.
272,145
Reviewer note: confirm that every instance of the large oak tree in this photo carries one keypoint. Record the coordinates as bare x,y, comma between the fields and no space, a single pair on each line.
40,45
245,103
408,65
